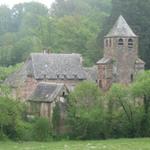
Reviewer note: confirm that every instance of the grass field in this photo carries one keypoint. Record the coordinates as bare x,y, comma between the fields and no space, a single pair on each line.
121,144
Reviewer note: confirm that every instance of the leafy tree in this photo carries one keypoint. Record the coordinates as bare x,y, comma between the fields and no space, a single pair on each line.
85,112
78,35
121,111
6,71
141,89
9,116
5,19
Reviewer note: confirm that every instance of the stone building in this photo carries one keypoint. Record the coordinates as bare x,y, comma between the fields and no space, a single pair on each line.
120,62
46,78
46,67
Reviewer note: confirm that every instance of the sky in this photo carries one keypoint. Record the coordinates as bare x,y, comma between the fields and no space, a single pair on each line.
10,3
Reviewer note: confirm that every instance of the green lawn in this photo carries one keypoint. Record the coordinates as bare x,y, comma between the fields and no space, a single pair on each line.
121,144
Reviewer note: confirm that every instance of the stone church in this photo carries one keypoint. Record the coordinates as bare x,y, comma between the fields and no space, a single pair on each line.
120,62
46,78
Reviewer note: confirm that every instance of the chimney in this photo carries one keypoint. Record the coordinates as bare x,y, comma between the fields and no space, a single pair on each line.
46,51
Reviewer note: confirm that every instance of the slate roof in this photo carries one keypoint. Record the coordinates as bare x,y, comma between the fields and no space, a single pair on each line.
92,73
139,61
121,28
54,66
46,92
104,61
50,66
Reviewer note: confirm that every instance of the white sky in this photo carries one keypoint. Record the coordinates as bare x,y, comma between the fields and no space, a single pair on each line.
10,3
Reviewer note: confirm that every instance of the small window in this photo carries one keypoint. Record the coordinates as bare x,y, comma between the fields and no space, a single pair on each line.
63,94
58,76
120,42
75,76
100,83
106,42
109,42
45,77
64,76
132,78
130,43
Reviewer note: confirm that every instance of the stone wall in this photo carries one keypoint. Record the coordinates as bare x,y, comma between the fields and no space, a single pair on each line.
123,56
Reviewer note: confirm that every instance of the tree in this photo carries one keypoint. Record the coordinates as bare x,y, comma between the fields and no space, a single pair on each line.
10,113
5,19
85,112
121,111
141,89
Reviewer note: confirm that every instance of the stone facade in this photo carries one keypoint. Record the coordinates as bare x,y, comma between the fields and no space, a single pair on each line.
120,62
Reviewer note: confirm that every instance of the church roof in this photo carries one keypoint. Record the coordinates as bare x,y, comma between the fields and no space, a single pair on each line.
51,66
54,66
139,61
121,28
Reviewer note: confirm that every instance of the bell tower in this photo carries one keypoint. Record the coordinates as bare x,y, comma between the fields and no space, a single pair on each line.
120,62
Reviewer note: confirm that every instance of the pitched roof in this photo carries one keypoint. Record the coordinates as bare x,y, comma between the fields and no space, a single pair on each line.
46,92
139,61
54,66
104,61
92,73
121,28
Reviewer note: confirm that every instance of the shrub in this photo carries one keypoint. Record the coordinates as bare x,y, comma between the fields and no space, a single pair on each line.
10,113
42,129
85,112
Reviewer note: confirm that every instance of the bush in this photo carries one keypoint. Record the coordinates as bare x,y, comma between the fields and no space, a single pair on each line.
42,129
10,114
24,131
85,112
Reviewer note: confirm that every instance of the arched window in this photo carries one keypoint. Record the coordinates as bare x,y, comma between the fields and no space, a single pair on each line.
130,43
120,42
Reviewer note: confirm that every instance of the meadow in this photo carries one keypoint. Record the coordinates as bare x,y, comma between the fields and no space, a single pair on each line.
120,144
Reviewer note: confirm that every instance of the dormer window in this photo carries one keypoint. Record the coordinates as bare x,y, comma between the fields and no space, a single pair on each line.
65,76
75,76
44,76
58,76
120,42
130,43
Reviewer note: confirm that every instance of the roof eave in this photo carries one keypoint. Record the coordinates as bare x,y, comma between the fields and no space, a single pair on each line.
107,36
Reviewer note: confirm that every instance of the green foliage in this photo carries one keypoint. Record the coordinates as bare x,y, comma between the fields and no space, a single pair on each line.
71,27
86,112
56,120
141,90
42,129
10,113
123,111
6,71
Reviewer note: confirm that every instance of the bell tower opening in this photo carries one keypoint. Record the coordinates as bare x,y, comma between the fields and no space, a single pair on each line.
120,42
130,43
